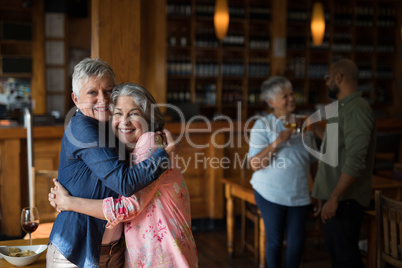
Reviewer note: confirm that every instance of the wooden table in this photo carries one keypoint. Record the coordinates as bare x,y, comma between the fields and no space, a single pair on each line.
242,189
40,263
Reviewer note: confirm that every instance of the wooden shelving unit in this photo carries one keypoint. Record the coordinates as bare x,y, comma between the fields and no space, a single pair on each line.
211,74
364,31
15,45
22,44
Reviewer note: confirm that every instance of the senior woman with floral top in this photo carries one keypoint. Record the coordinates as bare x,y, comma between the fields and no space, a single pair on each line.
157,220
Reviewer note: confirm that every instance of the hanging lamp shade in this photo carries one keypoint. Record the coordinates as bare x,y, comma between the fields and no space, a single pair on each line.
221,18
317,24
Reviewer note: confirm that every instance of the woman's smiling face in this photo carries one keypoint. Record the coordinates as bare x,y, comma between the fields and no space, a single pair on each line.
94,97
128,121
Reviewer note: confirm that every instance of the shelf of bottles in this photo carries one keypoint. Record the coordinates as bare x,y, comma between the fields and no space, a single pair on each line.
384,71
235,36
254,92
297,44
206,67
211,73
205,94
205,38
258,68
364,15
364,31
179,65
232,93
178,93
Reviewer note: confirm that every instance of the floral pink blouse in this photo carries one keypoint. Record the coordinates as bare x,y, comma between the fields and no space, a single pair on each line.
157,219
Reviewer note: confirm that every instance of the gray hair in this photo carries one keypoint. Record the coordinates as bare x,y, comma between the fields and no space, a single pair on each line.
144,100
272,86
90,68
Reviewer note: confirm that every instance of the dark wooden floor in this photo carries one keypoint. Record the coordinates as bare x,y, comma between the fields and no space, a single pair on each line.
212,252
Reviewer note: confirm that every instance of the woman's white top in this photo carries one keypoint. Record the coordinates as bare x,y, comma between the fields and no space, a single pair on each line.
285,181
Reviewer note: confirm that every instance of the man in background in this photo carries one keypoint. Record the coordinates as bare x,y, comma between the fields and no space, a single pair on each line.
344,190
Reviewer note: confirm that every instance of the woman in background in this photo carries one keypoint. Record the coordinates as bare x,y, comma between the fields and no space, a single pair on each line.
281,178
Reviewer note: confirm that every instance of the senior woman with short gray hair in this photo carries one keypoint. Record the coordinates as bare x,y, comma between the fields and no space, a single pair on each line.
280,178
90,167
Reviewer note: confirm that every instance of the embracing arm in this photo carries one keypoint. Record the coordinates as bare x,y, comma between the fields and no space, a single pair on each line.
127,208
110,209
61,199
105,163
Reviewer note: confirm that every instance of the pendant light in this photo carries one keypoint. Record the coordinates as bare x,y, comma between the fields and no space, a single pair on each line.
221,18
317,24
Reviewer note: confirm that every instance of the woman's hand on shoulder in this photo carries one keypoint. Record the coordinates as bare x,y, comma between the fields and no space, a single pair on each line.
58,196
171,146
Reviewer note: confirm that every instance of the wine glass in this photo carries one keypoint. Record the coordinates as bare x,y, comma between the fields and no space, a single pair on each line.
300,119
30,220
289,122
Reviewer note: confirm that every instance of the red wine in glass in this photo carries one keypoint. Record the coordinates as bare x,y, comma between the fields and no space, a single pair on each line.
30,227
29,220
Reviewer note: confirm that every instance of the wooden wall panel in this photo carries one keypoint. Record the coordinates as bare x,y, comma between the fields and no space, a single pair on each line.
153,48
38,84
116,32
10,185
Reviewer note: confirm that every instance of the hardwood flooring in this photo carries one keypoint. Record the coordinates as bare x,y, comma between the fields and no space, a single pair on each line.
212,252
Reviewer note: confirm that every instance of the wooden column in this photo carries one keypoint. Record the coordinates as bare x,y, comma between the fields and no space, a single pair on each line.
116,37
153,48
130,35
38,85
278,32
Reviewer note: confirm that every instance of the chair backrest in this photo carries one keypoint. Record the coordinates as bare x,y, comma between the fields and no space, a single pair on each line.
43,182
389,230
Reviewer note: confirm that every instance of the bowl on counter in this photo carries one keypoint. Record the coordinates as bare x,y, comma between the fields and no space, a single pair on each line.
22,261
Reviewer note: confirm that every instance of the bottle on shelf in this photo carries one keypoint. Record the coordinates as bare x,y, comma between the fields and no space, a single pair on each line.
178,10
260,13
183,38
172,39
206,94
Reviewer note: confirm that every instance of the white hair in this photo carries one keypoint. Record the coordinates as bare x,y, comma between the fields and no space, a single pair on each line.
272,86
90,68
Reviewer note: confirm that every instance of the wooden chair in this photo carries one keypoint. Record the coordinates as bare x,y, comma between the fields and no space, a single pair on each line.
249,213
389,230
